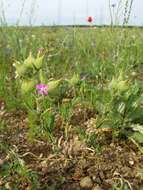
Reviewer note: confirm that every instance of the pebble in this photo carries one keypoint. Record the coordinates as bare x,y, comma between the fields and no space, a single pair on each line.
131,162
86,182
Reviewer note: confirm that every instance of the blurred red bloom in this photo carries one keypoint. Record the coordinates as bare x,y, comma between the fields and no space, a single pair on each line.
90,19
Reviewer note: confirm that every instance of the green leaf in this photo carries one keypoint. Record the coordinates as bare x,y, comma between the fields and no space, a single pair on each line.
138,137
137,127
136,115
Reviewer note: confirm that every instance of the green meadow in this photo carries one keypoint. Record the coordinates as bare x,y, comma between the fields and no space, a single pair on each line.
84,128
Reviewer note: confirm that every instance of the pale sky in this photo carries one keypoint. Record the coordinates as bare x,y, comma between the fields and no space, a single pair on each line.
49,12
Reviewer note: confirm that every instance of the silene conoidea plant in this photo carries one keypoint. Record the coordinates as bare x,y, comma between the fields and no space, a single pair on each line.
40,94
121,107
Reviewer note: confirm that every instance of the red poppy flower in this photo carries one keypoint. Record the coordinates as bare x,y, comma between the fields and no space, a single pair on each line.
90,19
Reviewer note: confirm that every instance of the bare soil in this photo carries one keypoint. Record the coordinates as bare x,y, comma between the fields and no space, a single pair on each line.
65,162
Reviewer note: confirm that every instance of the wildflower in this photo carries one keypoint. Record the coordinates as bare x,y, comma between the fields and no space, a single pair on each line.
90,19
42,89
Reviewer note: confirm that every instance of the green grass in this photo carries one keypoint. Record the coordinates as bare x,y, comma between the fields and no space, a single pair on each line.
102,53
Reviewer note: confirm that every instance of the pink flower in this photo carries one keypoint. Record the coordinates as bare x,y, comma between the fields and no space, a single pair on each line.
42,89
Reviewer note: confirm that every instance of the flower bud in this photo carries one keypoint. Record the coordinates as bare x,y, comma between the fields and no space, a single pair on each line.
27,85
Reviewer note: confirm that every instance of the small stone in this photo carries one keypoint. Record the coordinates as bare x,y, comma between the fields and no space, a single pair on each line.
77,146
112,145
94,178
44,164
7,186
131,162
86,182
